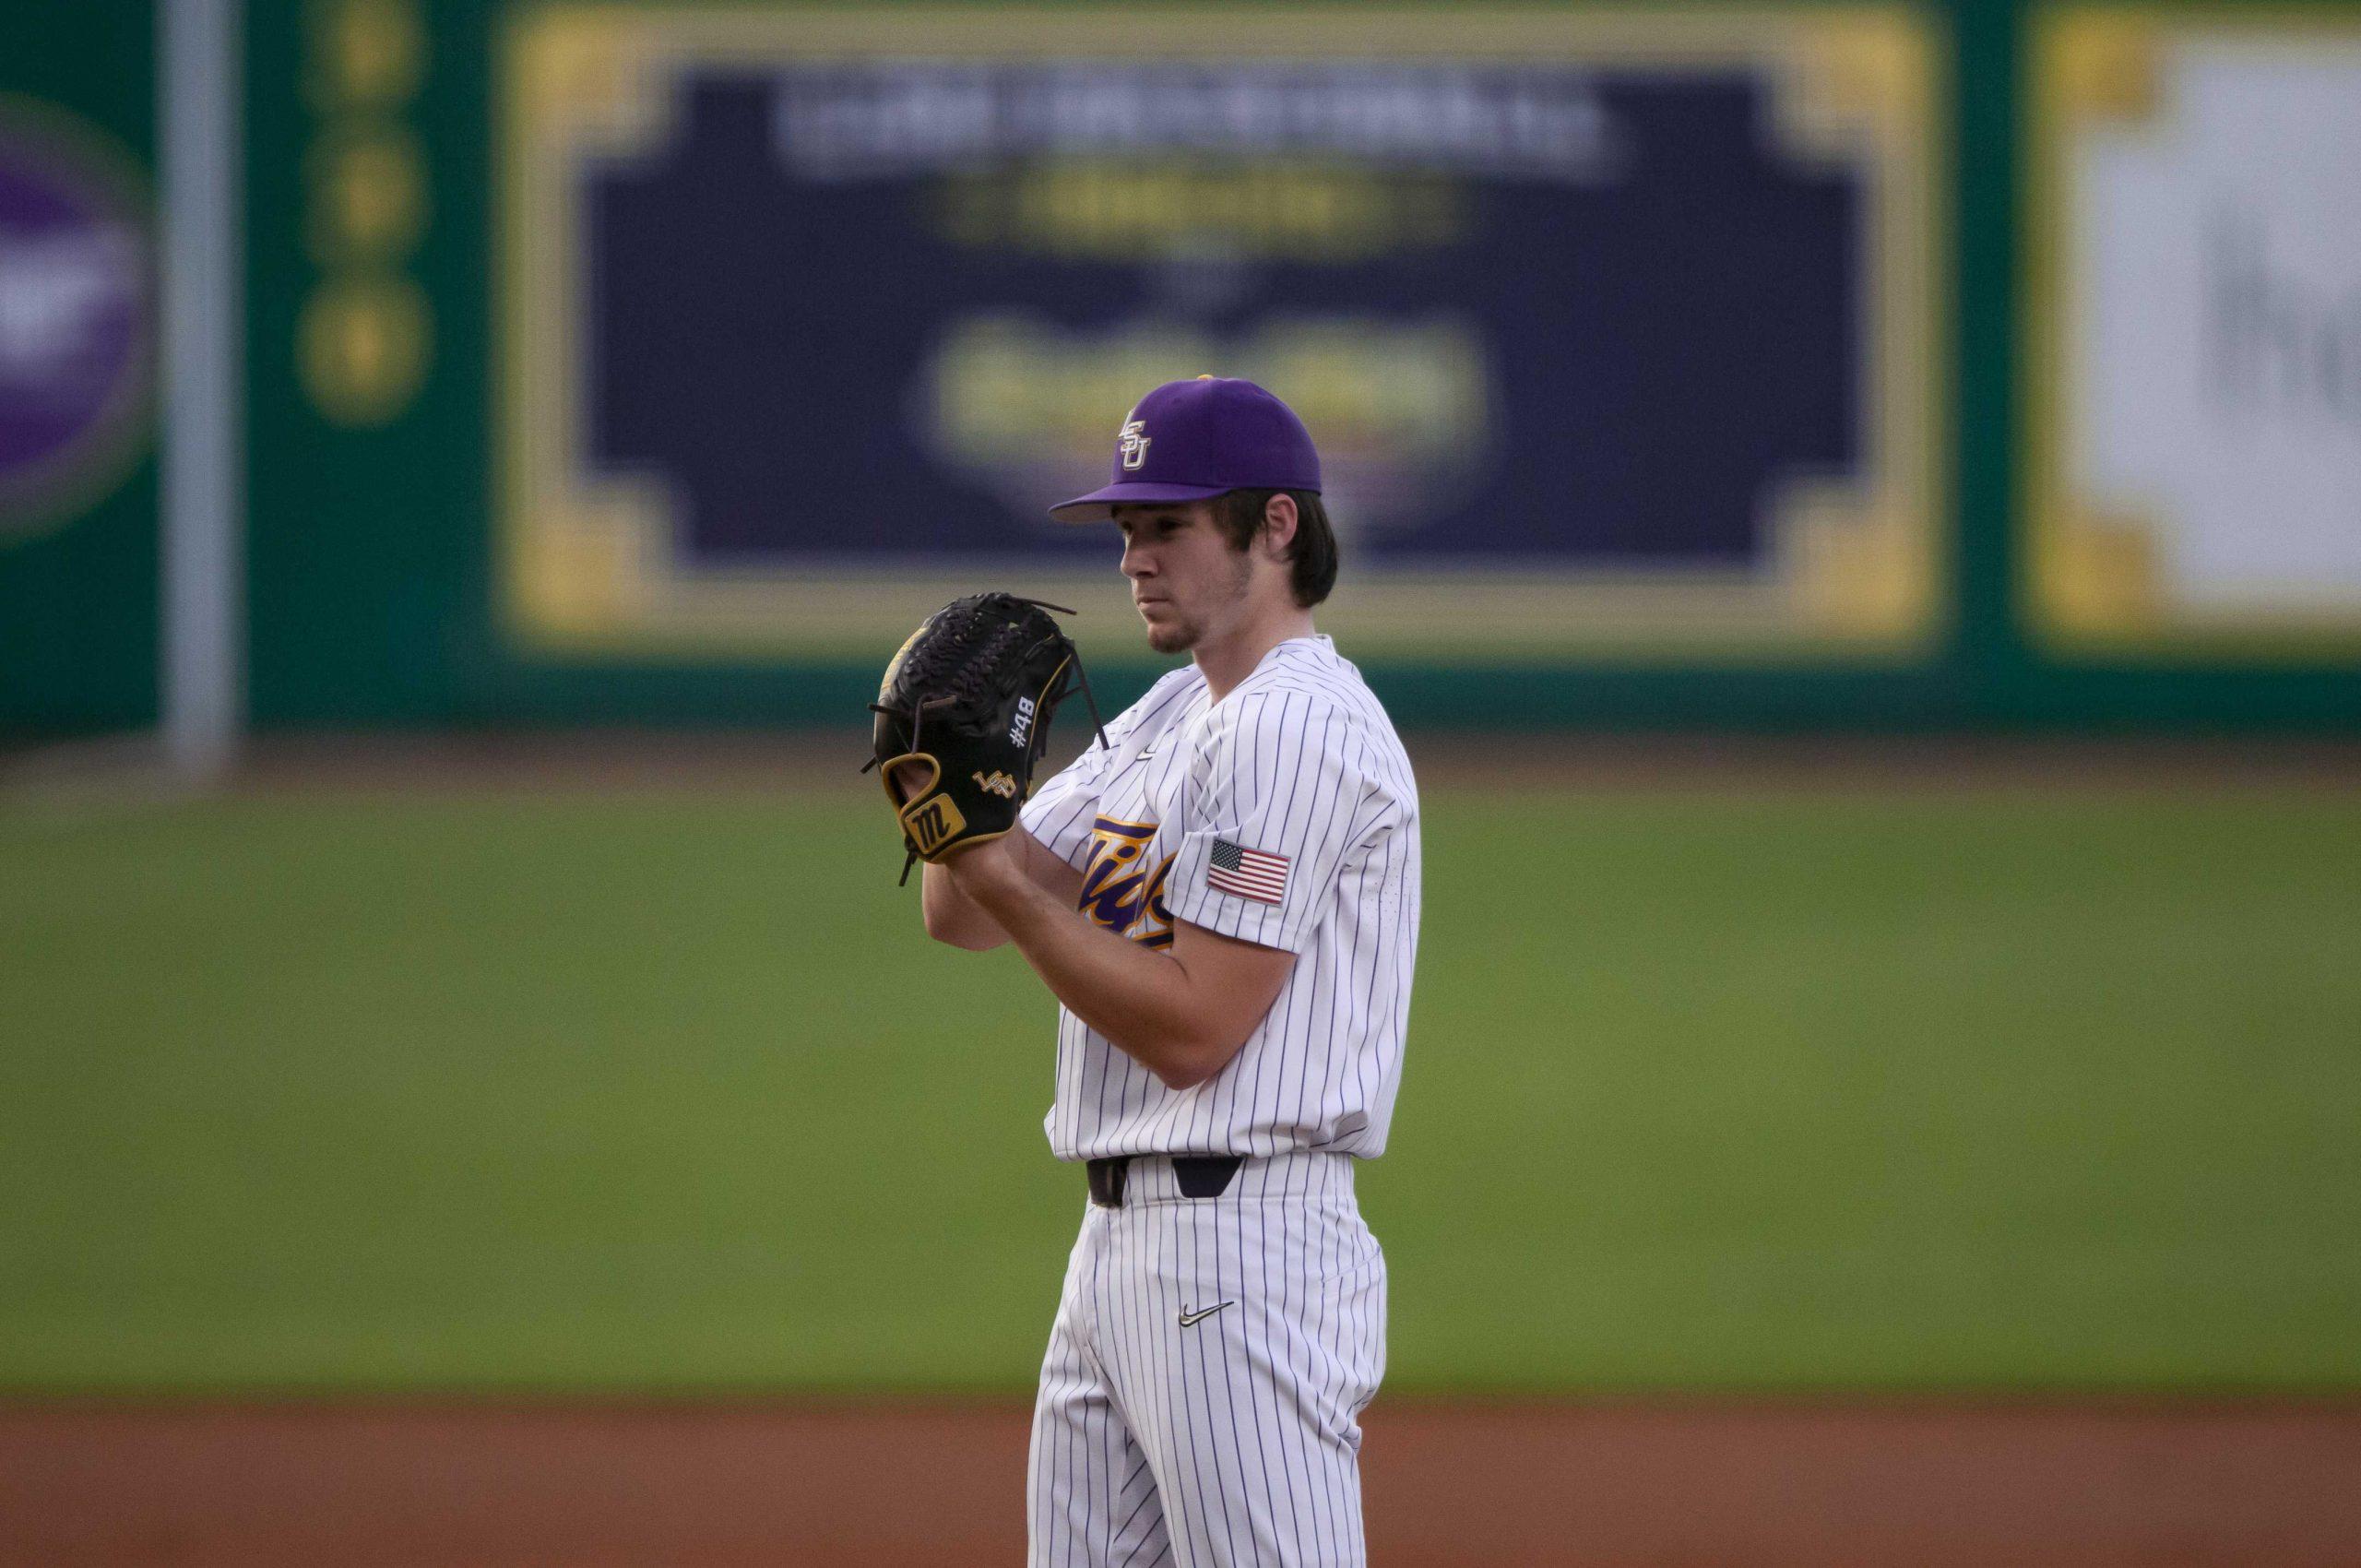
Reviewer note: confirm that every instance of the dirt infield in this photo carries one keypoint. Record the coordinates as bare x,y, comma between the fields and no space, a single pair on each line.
1449,1484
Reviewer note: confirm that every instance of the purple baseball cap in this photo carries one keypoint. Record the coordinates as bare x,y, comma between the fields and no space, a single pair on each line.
1189,440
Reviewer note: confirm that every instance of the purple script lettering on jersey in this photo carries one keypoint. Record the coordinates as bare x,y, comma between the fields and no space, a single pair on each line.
1119,890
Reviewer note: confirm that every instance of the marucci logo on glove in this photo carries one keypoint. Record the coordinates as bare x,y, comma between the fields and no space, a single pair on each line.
933,824
1249,874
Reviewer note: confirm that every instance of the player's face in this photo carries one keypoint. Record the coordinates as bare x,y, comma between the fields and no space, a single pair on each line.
1187,583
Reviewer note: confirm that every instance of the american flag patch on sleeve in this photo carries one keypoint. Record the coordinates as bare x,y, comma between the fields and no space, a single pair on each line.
1249,874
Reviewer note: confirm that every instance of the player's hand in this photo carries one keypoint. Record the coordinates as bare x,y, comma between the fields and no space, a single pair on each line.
904,780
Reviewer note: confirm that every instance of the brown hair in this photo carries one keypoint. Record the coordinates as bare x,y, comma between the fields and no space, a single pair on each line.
1240,515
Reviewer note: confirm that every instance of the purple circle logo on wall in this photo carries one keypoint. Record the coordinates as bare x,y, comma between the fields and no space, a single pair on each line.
77,317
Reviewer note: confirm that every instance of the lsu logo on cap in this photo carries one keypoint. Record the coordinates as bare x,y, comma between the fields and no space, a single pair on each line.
1132,445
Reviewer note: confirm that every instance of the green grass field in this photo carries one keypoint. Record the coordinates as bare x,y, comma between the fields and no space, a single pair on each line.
668,1091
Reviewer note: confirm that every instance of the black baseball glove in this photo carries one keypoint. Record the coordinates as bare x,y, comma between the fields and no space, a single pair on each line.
964,715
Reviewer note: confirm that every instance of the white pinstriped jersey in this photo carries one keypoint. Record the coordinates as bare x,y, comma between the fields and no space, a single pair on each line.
1285,815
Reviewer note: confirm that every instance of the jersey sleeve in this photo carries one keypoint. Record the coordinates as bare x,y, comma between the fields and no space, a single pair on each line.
1281,794
1061,810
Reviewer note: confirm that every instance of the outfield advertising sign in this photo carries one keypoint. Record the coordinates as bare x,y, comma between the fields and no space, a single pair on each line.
77,316
2196,478
1618,332
80,557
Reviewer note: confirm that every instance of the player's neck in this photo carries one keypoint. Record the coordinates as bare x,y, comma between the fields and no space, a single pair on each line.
1225,661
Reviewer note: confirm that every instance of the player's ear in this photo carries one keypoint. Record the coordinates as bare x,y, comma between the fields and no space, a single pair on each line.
1279,518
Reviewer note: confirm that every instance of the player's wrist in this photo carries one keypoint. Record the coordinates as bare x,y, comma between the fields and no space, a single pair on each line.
984,869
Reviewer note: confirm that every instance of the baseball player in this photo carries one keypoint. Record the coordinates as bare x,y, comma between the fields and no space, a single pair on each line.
1224,899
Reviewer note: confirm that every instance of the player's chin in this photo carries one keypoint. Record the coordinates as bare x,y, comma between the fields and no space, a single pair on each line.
1170,637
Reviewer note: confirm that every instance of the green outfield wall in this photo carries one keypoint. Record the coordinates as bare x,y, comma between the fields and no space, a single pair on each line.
480,492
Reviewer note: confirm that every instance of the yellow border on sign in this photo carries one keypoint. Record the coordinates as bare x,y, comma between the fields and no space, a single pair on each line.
584,569
2086,577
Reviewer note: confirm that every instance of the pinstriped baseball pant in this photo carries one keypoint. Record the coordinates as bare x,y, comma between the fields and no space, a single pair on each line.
1231,1437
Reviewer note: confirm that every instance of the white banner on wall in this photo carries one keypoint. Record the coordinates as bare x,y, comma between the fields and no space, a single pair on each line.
2195,406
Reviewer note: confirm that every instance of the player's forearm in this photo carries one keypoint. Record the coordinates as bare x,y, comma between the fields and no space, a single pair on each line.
1144,1001
954,917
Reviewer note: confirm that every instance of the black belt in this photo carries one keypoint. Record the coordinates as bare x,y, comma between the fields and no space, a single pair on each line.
1201,1176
